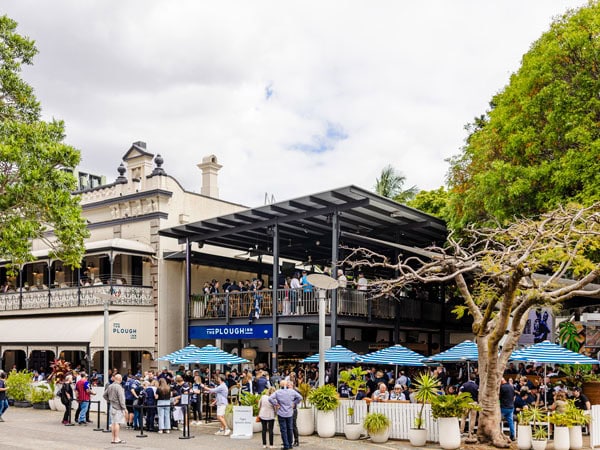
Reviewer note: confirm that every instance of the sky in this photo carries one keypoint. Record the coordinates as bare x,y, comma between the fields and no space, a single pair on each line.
293,97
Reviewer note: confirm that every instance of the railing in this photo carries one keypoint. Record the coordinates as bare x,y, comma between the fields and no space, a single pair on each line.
75,297
350,302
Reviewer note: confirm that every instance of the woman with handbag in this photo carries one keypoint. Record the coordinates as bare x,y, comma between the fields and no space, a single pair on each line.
66,398
266,414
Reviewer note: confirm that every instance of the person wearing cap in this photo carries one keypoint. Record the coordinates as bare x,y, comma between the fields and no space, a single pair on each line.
397,393
220,392
581,401
524,400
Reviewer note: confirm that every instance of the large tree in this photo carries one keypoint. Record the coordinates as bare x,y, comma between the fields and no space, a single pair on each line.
36,200
538,146
502,273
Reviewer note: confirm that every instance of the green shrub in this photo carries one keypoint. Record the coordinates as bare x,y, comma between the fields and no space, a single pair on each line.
249,399
324,398
19,385
376,422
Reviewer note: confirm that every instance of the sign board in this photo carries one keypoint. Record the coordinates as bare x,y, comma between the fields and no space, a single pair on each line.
242,422
231,332
538,327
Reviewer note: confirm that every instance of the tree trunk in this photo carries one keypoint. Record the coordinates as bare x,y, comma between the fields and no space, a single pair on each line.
490,376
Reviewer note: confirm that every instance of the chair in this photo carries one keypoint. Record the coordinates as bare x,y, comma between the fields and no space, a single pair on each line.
234,395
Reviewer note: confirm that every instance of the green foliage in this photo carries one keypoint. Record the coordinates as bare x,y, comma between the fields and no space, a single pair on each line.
324,398
576,416
376,423
390,184
433,202
569,337
540,433
560,419
19,384
452,405
539,145
426,388
304,389
354,378
35,191
41,393
249,399
350,412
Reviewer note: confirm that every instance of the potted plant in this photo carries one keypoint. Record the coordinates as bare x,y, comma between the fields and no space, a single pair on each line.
19,386
577,419
354,378
426,388
524,429
249,399
229,416
306,414
539,432
447,409
325,400
561,422
378,427
40,396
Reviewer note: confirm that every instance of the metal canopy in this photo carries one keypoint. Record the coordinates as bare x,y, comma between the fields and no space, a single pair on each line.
304,226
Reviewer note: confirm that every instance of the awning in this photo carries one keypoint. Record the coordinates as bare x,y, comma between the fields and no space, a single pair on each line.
131,330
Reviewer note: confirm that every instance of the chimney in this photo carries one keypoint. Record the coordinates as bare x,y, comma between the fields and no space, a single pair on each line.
210,168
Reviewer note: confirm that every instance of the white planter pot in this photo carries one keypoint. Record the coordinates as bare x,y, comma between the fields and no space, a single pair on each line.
326,424
59,406
256,426
417,437
561,438
52,404
575,437
305,421
381,437
353,431
539,445
449,432
524,437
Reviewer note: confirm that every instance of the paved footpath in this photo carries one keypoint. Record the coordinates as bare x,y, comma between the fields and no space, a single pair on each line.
27,428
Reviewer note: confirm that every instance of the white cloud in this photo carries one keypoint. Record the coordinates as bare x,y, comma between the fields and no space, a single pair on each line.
398,79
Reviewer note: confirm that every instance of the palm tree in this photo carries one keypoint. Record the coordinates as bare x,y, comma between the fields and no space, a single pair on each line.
390,184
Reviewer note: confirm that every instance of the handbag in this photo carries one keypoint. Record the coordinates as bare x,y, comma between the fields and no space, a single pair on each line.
257,419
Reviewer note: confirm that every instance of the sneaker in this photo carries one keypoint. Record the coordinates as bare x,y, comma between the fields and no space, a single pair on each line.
1,419
264,446
160,431
167,431
227,432
219,433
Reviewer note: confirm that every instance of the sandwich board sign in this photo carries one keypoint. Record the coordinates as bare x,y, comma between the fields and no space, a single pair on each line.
242,422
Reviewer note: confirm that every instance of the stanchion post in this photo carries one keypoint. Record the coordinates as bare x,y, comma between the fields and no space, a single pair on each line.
98,428
107,429
186,424
141,422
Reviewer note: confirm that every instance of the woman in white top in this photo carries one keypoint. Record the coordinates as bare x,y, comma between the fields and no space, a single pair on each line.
266,413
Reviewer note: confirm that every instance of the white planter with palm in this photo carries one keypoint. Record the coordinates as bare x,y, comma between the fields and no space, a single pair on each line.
447,409
577,419
306,414
355,380
426,388
378,427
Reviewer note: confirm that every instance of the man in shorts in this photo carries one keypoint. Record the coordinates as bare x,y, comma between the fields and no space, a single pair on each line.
220,392
115,395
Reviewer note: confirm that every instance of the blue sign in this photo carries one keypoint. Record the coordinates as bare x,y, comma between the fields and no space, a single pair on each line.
232,332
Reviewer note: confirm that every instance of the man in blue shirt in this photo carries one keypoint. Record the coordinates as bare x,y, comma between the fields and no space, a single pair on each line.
285,400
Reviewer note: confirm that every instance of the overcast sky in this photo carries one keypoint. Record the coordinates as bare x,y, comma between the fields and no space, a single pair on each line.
293,97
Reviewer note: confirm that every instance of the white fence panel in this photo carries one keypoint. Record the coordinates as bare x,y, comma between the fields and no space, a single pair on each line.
595,427
402,416
341,413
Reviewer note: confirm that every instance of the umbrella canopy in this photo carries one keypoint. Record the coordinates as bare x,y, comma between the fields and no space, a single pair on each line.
465,351
337,354
208,354
396,355
179,353
549,353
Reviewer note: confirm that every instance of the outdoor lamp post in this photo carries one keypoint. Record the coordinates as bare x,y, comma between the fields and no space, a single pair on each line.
322,283
106,298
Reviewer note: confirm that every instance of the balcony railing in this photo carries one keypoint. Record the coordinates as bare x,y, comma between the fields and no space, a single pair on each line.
75,297
350,302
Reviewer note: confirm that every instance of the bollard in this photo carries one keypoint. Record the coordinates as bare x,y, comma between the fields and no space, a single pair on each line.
141,435
98,428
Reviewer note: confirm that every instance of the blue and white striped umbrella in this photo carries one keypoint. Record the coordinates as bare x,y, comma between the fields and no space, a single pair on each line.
208,354
465,351
179,353
337,354
397,355
549,353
